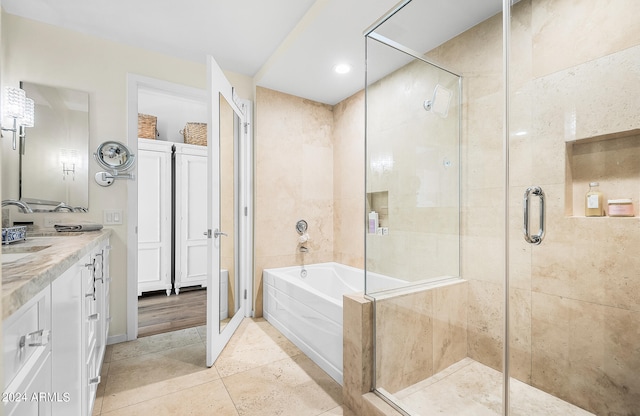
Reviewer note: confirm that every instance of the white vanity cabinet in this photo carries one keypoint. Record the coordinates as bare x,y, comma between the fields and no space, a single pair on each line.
79,327
154,215
27,358
190,216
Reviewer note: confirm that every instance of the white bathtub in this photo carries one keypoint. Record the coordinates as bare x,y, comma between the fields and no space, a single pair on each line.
308,310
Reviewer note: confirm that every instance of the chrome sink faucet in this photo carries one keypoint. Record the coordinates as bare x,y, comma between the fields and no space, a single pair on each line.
20,204
62,206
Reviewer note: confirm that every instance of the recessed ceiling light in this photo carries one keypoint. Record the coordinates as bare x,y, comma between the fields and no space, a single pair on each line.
342,68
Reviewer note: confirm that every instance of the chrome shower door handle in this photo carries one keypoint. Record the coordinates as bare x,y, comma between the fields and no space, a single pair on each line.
536,238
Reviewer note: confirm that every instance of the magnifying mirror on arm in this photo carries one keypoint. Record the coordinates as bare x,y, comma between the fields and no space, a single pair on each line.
117,159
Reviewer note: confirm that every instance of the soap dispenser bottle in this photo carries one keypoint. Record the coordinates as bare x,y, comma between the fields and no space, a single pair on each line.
593,204
373,222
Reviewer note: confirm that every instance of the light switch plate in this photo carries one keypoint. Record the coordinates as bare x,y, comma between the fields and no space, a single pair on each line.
112,216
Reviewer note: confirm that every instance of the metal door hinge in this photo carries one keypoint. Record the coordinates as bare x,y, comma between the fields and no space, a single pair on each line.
245,293
246,211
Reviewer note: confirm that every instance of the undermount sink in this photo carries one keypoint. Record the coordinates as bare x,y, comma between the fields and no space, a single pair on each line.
13,253
11,257
45,234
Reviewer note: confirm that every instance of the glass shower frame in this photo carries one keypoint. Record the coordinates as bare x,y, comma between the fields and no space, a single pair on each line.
588,306
446,205
384,164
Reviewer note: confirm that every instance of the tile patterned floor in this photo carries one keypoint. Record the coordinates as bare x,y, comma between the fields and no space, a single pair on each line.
259,373
471,388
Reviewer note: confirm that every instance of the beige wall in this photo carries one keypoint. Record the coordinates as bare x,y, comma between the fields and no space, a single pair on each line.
438,316
49,55
348,181
309,165
293,181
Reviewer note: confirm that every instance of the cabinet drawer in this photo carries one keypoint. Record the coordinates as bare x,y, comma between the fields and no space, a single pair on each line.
25,333
24,395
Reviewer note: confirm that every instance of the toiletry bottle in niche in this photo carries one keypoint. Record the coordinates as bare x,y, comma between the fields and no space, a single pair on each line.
593,206
373,222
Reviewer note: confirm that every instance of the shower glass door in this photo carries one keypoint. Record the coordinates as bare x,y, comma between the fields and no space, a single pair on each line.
574,298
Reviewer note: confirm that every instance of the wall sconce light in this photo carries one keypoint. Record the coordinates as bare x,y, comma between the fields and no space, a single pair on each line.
69,160
21,109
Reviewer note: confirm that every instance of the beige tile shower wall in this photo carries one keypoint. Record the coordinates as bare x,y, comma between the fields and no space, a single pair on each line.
477,55
348,181
574,314
419,334
357,351
293,181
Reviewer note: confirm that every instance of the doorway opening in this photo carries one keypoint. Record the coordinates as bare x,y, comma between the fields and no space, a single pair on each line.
170,231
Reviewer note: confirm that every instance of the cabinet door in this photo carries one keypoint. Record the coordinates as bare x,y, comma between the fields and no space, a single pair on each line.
97,344
191,205
27,357
68,338
30,394
154,221
21,330
103,285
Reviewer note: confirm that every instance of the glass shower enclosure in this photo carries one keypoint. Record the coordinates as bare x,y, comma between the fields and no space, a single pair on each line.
493,292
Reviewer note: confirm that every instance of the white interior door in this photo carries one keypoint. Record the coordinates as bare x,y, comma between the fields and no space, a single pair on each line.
227,213
191,216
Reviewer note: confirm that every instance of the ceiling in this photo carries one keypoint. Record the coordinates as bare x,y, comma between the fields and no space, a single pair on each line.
286,45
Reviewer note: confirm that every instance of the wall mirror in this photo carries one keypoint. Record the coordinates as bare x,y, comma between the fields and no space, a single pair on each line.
54,155
229,207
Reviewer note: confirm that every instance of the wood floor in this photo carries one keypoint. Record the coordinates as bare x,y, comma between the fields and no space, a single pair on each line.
158,313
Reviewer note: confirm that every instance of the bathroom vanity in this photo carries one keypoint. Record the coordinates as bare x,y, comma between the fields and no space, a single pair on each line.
55,292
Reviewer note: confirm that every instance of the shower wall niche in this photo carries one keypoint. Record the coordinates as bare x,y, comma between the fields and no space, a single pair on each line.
378,202
613,162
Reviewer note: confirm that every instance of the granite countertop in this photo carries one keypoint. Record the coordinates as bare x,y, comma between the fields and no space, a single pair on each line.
26,277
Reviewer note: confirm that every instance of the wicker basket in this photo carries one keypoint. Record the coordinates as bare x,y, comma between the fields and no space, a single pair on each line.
147,126
195,133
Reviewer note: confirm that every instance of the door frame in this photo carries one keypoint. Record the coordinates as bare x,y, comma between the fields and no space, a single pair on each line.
134,83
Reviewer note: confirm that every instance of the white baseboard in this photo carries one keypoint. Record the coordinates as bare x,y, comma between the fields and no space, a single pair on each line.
116,339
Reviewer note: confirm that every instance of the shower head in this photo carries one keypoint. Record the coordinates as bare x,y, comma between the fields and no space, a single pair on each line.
439,104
